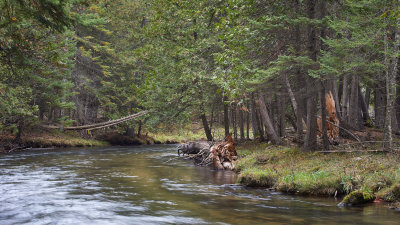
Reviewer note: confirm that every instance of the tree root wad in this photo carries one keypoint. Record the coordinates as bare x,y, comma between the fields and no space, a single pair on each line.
221,155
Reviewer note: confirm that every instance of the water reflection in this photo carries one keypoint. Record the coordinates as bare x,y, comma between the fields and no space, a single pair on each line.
150,185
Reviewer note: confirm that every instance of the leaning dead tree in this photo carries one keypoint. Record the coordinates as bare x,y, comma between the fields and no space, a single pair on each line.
221,156
99,125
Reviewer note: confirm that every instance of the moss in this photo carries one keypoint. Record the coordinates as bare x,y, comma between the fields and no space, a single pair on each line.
390,194
290,170
254,177
357,198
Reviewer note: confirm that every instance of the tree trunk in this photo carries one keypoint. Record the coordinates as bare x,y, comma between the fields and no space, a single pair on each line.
248,123
130,132
267,121
254,119
380,104
139,132
226,116
332,86
397,103
363,104
241,124
390,78
354,106
281,107
310,142
207,129
345,98
367,98
325,139
234,122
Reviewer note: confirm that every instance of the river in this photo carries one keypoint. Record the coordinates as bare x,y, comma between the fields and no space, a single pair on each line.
151,185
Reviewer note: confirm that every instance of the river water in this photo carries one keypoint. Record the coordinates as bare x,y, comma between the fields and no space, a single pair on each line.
151,185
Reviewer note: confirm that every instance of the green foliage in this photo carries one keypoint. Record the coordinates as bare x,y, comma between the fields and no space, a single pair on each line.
36,52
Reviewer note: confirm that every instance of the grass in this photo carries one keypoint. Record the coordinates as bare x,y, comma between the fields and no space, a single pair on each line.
290,170
59,139
55,138
178,136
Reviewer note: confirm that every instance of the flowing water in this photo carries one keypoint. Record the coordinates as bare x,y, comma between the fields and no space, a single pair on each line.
151,185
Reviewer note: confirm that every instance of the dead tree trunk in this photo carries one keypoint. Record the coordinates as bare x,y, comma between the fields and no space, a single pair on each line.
267,121
364,108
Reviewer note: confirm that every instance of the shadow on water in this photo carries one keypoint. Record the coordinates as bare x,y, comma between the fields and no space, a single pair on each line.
151,185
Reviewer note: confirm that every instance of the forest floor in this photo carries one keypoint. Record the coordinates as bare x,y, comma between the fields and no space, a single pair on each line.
290,170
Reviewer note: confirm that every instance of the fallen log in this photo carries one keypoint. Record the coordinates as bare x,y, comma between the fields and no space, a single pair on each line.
98,125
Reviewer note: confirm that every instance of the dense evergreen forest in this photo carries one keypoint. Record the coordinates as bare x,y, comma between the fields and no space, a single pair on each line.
254,67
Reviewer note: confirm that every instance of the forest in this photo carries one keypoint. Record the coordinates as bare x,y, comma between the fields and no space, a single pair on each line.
257,69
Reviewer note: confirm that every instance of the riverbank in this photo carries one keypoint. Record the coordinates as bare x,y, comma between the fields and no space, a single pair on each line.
47,139
289,170
42,138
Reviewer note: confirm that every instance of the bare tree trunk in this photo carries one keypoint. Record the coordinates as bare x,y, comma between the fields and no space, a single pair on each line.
248,123
207,129
234,122
367,97
390,78
261,126
345,97
226,116
354,104
130,131
254,119
267,121
397,102
310,142
291,95
241,123
281,105
139,132
363,105
325,139
332,86
380,104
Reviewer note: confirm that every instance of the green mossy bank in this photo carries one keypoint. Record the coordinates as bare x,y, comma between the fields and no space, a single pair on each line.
293,171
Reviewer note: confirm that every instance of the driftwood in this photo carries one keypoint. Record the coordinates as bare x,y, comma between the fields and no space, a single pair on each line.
221,156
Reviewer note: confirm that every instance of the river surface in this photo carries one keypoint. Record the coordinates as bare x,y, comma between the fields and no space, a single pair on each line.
151,185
